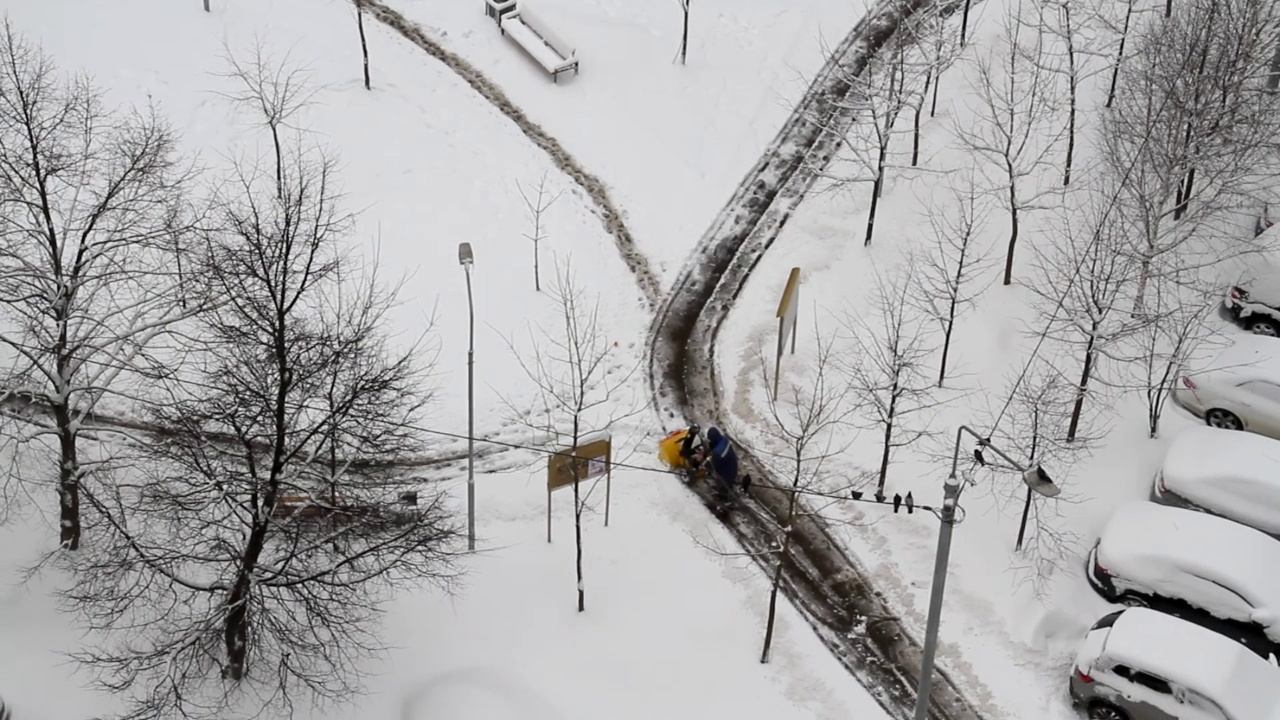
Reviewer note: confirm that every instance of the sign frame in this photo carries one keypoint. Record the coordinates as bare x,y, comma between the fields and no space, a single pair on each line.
590,458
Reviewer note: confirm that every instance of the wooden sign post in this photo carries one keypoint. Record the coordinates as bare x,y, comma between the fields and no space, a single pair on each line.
786,323
592,458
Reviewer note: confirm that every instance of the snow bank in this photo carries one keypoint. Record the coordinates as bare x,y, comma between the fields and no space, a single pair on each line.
1231,473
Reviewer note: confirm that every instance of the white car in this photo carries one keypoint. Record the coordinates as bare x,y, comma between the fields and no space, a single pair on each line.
1233,475
1139,664
1202,568
1240,390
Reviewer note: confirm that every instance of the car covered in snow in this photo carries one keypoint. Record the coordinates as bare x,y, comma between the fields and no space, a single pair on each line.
1238,390
1139,664
1202,568
1254,301
1230,474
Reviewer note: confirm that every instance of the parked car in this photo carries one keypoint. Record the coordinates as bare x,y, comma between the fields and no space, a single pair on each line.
1230,474
1253,301
1139,664
1199,567
1240,390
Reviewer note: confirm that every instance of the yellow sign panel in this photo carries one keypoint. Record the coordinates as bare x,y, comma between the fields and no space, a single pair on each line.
574,465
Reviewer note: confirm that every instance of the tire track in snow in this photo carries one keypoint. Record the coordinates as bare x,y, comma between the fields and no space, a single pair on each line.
832,590
636,261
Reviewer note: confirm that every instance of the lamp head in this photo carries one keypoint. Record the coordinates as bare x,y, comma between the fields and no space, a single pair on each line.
465,258
1040,482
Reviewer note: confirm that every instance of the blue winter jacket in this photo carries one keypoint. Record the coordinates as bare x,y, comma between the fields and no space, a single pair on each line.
724,459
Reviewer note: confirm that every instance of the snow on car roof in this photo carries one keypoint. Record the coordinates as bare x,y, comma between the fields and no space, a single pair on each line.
1157,546
1246,686
1248,356
1227,471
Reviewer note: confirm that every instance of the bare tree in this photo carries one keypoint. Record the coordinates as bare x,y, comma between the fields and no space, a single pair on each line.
945,272
1079,284
275,551
889,355
880,99
934,49
537,207
1014,108
1190,130
1033,420
364,44
804,434
274,91
581,387
1161,346
93,211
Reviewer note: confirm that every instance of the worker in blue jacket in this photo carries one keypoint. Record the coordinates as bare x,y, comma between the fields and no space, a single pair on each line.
724,463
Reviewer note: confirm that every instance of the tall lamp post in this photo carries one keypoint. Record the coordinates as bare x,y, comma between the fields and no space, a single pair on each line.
466,259
1036,480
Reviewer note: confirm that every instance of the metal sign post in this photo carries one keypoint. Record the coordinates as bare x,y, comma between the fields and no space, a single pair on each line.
589,459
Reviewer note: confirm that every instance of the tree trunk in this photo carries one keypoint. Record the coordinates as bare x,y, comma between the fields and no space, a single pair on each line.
915,139
206,5
68,477
684,34
364,45
876,188
1071,90
68,452
1085,373
888,438
537,276
783,557
1013,233
946,345
235,629
964,22
1168,8
1184,195
1115,70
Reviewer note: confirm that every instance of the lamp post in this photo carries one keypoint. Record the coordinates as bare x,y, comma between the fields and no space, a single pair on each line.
466,259
1036,480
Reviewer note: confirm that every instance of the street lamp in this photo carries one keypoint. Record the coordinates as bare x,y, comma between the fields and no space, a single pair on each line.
466,259
1036,480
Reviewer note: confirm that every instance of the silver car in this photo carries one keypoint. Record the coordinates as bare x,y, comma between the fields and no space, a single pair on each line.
1140,664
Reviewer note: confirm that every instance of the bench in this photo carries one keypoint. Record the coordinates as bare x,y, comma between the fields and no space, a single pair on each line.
545,47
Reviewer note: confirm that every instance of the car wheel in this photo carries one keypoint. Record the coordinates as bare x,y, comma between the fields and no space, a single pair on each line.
1262,326
1223,419
1106,711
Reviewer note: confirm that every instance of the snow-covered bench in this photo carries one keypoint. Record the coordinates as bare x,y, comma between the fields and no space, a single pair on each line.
544,46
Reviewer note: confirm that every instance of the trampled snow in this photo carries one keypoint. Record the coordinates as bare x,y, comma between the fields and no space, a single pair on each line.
1206,560
1190,656
1231,473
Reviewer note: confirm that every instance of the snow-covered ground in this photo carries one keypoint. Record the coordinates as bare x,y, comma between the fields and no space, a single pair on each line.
672,629
1006,639
672,142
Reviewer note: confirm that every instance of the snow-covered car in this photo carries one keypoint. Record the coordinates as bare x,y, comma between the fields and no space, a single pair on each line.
1234,475
1253,301
1139,664
1202,568
1239,390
